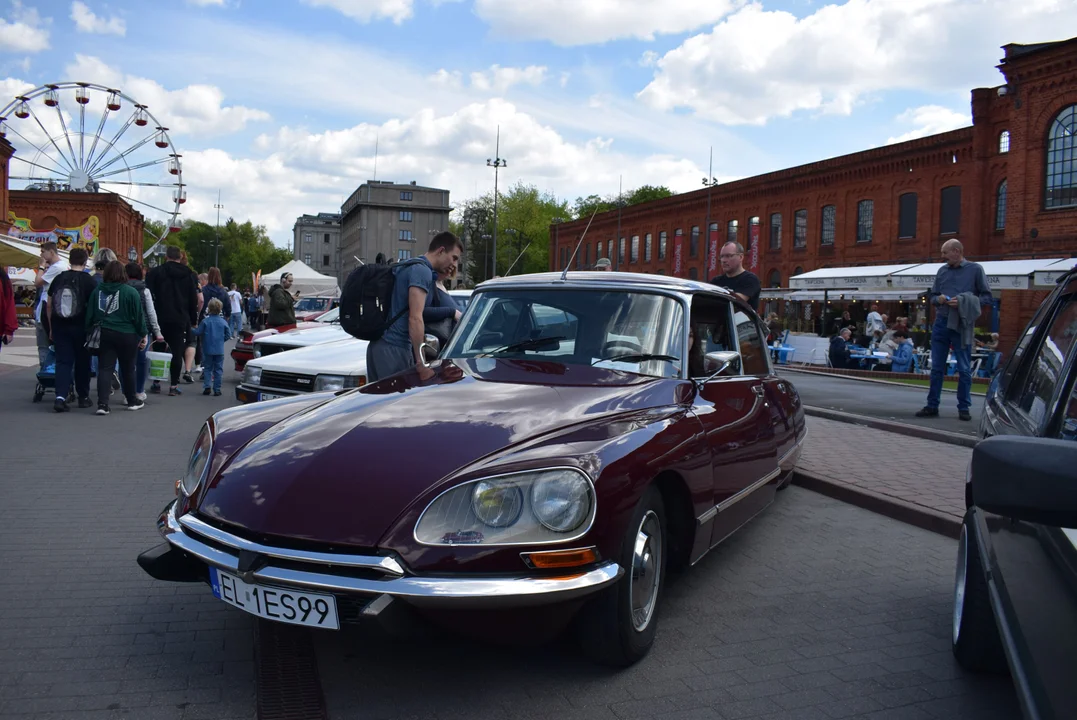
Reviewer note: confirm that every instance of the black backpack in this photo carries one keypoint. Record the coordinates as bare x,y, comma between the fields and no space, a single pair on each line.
66,297
366,299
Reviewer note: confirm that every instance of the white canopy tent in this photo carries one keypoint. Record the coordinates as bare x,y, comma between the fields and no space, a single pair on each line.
21,276
309,282
16,252
1001,274
870,276
1048,274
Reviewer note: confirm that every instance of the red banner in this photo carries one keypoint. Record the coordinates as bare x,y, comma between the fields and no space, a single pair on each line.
712,259
753,252
678,254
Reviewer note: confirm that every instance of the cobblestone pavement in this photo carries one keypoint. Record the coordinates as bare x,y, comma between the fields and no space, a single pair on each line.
817,609
924,473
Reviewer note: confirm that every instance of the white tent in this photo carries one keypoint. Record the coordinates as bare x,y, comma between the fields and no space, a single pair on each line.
309,282
1049,273
846,277
21,276
1001,274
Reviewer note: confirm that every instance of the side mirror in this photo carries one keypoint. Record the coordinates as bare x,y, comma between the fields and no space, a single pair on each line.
720,362
430,348
1026,478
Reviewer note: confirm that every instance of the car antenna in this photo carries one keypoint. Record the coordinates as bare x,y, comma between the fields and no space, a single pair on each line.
564,273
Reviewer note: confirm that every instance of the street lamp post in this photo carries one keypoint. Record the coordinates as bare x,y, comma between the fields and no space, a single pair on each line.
486,252
709,182
217,232
497,163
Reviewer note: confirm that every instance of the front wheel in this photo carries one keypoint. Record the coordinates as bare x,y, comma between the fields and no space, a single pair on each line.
976,642
618,627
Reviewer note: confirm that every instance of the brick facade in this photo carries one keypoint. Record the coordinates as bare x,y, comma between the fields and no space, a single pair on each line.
1041,80
121,225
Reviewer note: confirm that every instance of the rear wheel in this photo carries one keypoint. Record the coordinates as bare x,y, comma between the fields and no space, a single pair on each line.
976,642
618,626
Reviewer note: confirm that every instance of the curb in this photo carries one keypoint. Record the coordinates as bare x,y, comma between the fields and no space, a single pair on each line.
899,428
901,510
877,381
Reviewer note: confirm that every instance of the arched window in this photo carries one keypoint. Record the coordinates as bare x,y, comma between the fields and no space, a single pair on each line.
1062,160
693,273
1000,206
775,279
1003,142
798,271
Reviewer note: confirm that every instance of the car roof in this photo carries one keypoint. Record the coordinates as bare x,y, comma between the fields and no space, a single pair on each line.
588,279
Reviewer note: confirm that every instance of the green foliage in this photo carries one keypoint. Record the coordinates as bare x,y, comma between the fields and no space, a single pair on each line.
243,248
525,215
585,207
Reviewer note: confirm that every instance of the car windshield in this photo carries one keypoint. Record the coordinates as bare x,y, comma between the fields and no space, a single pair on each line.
633,331
311,304
329,317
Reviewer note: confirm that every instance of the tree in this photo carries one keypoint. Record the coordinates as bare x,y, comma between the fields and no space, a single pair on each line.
524,217
243,249
584,208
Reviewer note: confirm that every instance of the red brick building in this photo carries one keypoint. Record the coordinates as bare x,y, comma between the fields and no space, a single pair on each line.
1002,186
121,226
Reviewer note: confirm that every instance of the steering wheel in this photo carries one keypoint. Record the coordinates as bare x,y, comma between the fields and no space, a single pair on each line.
622,347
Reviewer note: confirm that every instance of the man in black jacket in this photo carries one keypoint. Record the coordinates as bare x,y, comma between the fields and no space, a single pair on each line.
175,296
839,349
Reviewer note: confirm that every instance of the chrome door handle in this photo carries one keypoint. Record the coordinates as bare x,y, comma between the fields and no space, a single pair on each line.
759,390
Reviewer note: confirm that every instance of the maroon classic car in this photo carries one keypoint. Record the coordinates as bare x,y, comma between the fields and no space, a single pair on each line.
576,437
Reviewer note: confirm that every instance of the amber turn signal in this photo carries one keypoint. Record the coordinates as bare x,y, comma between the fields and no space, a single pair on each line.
178,486
560,558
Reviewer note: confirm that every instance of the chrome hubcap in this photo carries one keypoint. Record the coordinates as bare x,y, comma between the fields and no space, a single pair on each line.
959,581
646,570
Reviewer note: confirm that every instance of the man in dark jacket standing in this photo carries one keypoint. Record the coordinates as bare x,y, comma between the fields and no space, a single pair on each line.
282,305
175,297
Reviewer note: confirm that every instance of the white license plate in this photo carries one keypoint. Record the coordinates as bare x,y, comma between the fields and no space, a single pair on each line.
269,396
280,604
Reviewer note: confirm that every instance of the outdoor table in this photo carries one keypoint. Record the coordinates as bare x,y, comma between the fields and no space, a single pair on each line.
868,357
782,354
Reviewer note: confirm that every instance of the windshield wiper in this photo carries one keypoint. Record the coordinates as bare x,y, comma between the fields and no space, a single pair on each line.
637,357
525,345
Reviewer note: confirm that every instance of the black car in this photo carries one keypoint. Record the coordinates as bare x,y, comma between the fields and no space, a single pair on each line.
1015,590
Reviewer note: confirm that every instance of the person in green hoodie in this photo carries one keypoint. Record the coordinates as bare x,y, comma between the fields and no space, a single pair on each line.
117,308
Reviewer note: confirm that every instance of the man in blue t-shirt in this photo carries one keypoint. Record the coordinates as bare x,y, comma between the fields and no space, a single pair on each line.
413,290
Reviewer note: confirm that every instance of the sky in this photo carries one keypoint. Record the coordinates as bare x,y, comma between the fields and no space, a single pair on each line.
279,105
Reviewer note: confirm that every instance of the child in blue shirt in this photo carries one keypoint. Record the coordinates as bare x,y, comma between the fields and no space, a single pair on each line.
214,331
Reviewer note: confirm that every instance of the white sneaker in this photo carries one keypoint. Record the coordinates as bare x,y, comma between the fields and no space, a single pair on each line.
141,396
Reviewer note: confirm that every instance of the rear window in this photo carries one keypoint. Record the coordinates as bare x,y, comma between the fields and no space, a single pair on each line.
1043,374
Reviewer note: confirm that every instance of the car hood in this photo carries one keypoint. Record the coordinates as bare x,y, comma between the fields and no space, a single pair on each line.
324,332
339,357
341,472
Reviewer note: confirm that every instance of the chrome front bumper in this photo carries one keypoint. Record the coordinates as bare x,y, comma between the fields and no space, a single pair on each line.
370,575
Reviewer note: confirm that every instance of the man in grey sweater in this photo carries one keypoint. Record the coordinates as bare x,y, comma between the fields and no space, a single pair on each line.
958,294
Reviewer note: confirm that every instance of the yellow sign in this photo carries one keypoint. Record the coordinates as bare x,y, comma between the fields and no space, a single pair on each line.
84,236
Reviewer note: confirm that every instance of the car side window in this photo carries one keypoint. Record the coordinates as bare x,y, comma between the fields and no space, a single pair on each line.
710,331
1043,372
753,352
1068,428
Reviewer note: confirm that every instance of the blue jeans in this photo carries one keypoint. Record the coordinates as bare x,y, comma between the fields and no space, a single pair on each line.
142,370
235,322
942,340
212,365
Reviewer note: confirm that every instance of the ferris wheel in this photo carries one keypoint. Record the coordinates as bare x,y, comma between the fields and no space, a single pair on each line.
57,148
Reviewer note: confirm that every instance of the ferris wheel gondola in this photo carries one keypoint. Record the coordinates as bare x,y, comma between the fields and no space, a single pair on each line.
55,151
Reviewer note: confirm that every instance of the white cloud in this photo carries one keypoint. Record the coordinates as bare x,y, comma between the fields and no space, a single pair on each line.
759,64
443,78
929,120
87,22
582,22
499,79
300,171
365,11
24,32
193,109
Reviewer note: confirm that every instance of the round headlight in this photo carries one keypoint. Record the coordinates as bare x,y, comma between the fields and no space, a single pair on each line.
196,466
497,504
561,500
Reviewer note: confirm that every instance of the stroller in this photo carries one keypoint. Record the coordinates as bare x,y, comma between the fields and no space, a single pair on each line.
46,377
